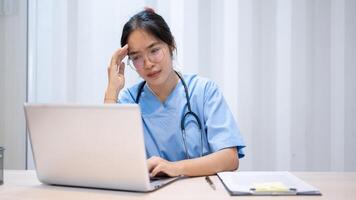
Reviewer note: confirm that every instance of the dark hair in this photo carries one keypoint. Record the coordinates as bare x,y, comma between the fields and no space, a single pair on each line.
151,22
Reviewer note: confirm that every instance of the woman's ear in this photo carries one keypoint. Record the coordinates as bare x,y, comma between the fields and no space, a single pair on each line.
172,51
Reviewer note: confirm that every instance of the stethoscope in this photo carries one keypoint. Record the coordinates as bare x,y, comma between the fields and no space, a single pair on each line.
182,122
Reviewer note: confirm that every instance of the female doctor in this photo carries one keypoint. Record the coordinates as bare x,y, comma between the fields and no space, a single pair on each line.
188,127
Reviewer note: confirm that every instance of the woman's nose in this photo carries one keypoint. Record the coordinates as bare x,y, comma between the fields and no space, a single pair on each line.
147,63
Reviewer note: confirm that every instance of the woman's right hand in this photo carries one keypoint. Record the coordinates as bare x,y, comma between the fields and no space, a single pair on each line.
116,75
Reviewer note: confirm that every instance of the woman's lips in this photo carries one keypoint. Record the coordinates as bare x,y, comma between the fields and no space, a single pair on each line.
154,74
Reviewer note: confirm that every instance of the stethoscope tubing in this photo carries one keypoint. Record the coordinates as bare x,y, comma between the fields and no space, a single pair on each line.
182,124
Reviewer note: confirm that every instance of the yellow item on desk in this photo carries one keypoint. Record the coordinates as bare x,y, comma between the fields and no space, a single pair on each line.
270,187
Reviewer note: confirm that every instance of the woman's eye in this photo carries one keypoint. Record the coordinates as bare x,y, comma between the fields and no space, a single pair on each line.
134,58
155,50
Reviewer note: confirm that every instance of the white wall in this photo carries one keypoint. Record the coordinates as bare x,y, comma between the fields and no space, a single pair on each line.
286,67
13,53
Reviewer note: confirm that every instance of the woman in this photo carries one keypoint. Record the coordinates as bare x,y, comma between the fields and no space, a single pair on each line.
188,127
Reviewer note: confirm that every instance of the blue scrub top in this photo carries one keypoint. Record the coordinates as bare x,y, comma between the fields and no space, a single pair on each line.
161,121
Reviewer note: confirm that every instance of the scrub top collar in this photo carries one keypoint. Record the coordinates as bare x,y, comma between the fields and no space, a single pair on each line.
153,98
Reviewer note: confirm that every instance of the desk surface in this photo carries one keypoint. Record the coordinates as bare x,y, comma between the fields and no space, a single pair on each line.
25,185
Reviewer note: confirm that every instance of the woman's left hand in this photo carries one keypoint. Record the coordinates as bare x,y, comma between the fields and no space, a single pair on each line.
159,166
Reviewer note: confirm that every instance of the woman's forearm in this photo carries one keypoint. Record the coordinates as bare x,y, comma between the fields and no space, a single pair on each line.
223,160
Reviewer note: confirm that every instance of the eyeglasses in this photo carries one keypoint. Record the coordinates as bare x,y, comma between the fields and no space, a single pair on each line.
155,55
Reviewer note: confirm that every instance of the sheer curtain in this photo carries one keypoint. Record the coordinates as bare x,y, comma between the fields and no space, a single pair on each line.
287,68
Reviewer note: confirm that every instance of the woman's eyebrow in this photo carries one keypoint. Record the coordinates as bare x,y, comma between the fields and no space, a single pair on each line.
132,53
152,45
148,47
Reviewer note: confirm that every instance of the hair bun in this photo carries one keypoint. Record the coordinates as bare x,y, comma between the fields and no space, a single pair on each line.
149,9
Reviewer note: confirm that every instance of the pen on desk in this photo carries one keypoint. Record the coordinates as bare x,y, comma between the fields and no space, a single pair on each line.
207,178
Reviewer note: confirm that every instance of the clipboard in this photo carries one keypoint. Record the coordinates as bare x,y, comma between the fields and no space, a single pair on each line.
265,183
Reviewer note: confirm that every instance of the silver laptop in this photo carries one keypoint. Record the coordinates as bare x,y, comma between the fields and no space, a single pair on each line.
99,146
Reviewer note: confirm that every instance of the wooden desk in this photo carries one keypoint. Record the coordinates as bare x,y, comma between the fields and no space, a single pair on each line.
24,185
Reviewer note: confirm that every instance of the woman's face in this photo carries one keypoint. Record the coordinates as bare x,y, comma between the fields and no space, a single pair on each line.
150,56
